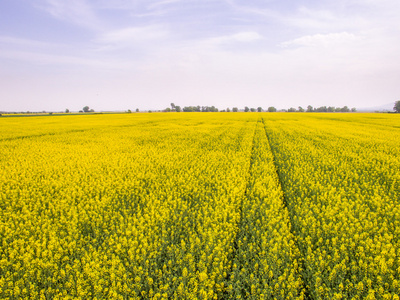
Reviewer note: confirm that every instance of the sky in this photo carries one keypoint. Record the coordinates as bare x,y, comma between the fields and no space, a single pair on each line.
146,54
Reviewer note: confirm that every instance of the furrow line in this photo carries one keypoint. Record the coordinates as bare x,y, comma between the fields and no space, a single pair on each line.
305,279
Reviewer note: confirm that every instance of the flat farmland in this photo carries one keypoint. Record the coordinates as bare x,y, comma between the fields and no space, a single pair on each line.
200,206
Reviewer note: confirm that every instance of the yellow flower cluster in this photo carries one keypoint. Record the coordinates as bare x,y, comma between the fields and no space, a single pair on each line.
266,265
121,206
200,206
341,176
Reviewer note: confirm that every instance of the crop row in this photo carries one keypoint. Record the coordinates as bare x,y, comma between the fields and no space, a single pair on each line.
145,210
342,183
267,263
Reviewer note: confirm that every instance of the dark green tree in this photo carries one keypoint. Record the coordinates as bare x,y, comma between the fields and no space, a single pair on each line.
271,109
235,109
259,109
344,109
396,106
85,109
246,109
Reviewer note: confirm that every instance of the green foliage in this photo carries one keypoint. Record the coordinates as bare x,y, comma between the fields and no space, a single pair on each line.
397,106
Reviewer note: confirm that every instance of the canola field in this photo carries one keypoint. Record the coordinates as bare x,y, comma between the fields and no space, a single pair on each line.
200,206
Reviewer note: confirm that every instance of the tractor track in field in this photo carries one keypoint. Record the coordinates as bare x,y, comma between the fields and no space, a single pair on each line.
239,224
286,204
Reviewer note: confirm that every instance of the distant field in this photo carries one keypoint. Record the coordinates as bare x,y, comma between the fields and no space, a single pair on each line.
200,206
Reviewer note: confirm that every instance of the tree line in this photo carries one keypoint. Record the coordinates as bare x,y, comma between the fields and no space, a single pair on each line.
198,108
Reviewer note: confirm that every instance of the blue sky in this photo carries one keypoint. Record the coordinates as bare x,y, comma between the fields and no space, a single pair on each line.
128,54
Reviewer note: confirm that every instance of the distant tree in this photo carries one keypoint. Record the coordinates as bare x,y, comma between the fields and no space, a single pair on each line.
259,109
129,111
178,108
322,109
300,109
331,109
67,111
137,109
310,108
167,109
188,109
246,109
353,109
235,109
50,113
396,107
86,109
91,110
271,109
173,107
337,109
344,109
228,110
199,109
81,111
253,110
292,109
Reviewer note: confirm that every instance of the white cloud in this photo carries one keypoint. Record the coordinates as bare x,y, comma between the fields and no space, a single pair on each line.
58,59
133,34
16,41
163,3
147,39
219,41
77,12
246,36
323,40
